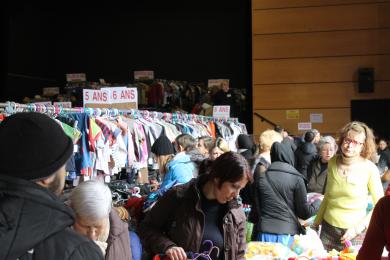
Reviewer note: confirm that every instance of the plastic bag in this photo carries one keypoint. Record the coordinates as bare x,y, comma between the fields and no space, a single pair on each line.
309,245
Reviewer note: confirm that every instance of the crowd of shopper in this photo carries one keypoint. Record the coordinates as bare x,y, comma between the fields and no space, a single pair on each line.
197,207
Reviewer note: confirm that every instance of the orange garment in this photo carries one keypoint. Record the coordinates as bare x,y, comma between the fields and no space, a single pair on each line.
212,127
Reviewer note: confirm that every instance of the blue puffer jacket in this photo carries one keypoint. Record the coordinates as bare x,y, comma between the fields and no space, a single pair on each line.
180,170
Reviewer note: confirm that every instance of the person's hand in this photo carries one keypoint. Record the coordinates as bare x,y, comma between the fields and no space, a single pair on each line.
349,235
176,253
315,227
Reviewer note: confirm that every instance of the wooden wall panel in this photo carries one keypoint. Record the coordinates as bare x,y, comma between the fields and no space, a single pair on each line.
324,18
319,44
333,120
316,95
267,4
329,69
306,55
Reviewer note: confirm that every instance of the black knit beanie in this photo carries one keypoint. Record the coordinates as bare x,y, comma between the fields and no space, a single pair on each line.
162,146
33,146
245,142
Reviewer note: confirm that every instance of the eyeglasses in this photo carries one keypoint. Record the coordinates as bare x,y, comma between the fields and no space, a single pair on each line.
350,141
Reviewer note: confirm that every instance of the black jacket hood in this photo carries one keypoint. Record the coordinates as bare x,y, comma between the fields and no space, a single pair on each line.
281,152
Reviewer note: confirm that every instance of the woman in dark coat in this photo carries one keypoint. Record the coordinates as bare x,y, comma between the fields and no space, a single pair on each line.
204,209
276,224
317,172
95,219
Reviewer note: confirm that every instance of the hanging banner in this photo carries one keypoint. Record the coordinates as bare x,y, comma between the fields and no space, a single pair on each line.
117,97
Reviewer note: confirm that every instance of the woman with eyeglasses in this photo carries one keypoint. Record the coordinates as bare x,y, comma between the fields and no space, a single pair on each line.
351,177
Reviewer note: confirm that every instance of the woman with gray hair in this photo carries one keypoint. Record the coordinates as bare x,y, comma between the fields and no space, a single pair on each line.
317,170
92,203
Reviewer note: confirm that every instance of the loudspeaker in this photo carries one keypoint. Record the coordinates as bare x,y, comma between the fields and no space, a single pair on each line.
366,80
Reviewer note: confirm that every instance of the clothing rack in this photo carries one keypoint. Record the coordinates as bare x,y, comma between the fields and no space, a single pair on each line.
131,149
10,107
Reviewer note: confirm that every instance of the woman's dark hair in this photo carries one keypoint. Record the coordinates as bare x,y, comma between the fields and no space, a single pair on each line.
309,136
205,166
384,140
230,167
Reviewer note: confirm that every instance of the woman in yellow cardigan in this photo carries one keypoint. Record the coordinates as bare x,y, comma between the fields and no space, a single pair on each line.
351,176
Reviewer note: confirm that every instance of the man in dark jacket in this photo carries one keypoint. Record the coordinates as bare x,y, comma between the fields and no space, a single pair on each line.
306,152
34,223
226,97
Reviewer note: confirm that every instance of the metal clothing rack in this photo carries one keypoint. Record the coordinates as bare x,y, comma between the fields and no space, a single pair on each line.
10,107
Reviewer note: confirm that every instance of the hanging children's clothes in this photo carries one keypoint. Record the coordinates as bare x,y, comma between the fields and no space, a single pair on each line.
108,143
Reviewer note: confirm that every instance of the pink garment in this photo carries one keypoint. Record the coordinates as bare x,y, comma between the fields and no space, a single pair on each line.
143,156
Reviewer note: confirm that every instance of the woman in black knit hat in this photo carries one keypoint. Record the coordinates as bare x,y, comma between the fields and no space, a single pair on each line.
163,152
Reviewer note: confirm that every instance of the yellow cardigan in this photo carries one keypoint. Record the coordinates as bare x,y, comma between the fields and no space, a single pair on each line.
345,199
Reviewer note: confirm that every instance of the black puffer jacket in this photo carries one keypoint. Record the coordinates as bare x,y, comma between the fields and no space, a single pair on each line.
274,216
35,220
303,155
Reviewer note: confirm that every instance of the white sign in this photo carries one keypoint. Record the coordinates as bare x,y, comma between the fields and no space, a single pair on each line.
316,118
122,95
221,111
76,77
67,104
111,96
143,74
304,126
96,96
